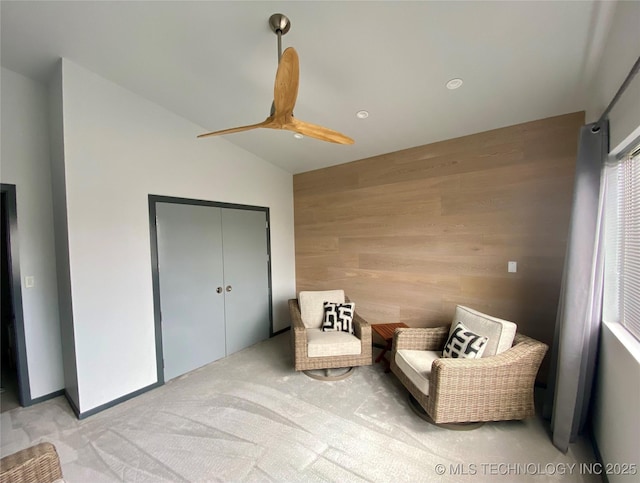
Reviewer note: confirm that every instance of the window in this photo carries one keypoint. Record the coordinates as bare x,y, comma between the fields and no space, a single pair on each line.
622,256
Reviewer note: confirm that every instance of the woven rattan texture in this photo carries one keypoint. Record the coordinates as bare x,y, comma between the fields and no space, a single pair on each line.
301,359
36,464
464,390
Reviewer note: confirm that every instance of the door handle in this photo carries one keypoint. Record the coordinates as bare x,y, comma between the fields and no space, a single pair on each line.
229,288
219,290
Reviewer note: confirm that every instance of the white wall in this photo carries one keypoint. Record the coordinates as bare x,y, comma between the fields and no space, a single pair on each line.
617,395
119,148
620,52
616,424
25,163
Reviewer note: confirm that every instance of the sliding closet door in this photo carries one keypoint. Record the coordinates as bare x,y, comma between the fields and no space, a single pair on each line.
190,269
246,274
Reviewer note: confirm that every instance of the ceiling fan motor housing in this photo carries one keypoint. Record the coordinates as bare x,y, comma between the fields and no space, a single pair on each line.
279,23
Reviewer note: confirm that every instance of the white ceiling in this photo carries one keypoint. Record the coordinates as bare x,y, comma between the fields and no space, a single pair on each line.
214,62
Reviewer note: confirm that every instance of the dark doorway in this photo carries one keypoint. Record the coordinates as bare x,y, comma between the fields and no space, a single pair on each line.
13,369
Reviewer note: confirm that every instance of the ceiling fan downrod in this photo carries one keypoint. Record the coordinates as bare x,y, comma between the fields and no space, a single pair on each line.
280,25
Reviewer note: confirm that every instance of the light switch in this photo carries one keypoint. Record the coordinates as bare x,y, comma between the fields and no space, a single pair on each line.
29,281
512,267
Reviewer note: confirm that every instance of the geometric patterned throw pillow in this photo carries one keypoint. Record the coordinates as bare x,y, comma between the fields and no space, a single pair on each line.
338,317
464,344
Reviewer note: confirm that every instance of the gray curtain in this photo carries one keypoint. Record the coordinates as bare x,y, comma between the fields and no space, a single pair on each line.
574,351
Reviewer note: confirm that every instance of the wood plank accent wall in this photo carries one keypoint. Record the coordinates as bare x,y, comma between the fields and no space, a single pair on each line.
410,234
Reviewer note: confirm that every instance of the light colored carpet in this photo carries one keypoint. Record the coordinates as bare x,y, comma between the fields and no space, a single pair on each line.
250,417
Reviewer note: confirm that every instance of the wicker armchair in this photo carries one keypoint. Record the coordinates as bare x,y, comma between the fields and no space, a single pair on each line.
499,387
300,345
36,464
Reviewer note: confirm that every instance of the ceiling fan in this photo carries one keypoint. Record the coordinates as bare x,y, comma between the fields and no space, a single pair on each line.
285,93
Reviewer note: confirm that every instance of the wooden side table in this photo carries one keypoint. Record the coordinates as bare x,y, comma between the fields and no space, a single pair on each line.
386,332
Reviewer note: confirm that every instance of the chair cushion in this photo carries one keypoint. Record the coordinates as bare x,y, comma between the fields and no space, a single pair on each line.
499,332
338,317
416,365
312,305
464,344
323,344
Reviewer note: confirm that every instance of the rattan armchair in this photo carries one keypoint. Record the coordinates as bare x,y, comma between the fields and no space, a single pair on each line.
36,464
302,360
493,388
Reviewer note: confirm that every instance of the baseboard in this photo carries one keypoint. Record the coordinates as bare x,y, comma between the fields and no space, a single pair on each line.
72,404
126,397
598,455
46,397
110,404
281,331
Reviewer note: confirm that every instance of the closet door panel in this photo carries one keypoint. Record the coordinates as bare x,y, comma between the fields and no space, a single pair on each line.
246,274
190,266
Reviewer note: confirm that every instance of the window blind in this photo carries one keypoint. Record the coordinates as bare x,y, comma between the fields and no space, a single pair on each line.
628,242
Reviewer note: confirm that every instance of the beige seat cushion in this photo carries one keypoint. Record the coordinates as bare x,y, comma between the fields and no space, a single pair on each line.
323,344
499,332
416,365
312,305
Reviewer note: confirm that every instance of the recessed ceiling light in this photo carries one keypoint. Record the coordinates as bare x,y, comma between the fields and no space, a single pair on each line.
454,84
362,114
298,135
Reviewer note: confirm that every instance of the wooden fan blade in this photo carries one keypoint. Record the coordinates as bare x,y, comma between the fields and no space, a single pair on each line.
285,90
317,132
264,123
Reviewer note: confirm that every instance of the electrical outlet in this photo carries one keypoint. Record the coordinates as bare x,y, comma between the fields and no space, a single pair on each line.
512,267
29,281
